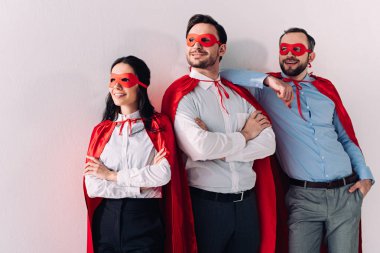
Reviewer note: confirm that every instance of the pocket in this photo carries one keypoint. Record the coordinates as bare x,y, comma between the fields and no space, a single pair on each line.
359,192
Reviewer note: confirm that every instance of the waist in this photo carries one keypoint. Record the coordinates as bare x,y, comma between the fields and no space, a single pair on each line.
132,203
220,197
326,185
210,176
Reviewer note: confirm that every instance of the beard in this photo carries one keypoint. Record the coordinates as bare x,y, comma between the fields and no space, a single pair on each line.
293,72
203,64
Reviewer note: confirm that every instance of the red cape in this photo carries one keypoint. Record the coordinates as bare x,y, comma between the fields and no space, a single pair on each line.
325,87
265,189
179,222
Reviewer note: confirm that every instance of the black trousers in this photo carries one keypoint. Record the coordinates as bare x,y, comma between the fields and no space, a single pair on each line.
128,226
226,227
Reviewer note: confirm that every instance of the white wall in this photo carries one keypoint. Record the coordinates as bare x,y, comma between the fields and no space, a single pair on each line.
54,64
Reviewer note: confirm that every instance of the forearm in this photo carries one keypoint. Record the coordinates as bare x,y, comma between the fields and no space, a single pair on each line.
149,176
262,146
353,151
201,145
108,189
246,78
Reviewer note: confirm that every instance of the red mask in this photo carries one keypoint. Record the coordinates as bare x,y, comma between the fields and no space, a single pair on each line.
206,40
296,49
127,80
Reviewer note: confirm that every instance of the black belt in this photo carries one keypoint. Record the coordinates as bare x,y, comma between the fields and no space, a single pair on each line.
221,197
327,185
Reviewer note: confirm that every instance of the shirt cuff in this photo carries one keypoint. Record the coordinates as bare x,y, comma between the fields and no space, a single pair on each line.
365,173
123,178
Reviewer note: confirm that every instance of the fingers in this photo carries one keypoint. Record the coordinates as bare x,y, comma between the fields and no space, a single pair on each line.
97,161
159,156
354,187
201,124
91,164
255,114
287,97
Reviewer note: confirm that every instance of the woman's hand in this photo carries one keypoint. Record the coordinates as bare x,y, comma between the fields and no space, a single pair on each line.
96,168
159,156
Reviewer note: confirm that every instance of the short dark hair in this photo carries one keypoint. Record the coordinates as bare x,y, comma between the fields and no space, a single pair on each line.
145,107
310,39
200,18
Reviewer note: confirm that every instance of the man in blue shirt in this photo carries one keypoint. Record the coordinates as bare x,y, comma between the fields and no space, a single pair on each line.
327,171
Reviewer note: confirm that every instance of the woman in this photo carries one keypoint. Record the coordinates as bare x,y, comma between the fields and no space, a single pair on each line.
131,156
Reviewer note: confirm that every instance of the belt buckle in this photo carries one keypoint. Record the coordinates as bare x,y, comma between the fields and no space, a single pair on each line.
241,197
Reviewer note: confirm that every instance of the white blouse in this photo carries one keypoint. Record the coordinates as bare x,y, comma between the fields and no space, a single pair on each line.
131,156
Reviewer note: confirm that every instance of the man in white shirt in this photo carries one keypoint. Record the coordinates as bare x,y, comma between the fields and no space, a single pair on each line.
219,161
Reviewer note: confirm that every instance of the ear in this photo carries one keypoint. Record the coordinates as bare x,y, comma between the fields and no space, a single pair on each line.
222,49
311,57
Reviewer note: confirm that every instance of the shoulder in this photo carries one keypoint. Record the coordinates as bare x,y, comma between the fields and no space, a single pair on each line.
103,124
322,80
177,84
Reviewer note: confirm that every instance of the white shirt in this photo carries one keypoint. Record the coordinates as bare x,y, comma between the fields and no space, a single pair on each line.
132,157
219,160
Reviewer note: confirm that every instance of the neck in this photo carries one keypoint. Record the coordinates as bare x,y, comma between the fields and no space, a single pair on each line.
211,72
299,77
128,109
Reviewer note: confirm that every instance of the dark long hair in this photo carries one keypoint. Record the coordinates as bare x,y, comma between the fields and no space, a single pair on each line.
144,105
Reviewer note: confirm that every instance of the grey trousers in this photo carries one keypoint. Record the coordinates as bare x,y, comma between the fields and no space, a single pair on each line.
332,213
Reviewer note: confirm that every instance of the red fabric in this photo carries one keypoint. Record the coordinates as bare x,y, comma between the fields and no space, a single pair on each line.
266,195
127,80
325,87
179,223
130,123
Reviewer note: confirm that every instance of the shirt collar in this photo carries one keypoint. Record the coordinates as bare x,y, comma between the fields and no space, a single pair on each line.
134,115
205,85
305,81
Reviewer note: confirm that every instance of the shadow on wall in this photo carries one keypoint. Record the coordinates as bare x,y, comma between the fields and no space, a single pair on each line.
245,54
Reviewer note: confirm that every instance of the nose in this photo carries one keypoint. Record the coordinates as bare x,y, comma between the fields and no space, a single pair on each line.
291,53
118,86
197,45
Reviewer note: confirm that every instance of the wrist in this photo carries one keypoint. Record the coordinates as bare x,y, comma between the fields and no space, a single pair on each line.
267,81
111,176
245,135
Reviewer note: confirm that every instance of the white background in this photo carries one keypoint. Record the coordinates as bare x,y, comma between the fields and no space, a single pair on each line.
54,63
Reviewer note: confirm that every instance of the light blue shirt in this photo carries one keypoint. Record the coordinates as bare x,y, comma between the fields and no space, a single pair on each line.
316,149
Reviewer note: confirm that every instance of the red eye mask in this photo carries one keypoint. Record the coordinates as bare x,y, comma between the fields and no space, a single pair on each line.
296,49
127,80
206,40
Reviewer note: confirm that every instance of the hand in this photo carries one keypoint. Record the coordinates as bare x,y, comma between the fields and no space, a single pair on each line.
284,91
159,156
201,124
255,124
96,168
362,185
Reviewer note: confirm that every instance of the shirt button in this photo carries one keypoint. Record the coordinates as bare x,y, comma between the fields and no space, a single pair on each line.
310,124
308,107
316,138
322,157
302,92
327,175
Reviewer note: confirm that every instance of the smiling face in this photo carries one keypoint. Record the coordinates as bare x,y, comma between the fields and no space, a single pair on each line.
203,56
292,63
126,98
